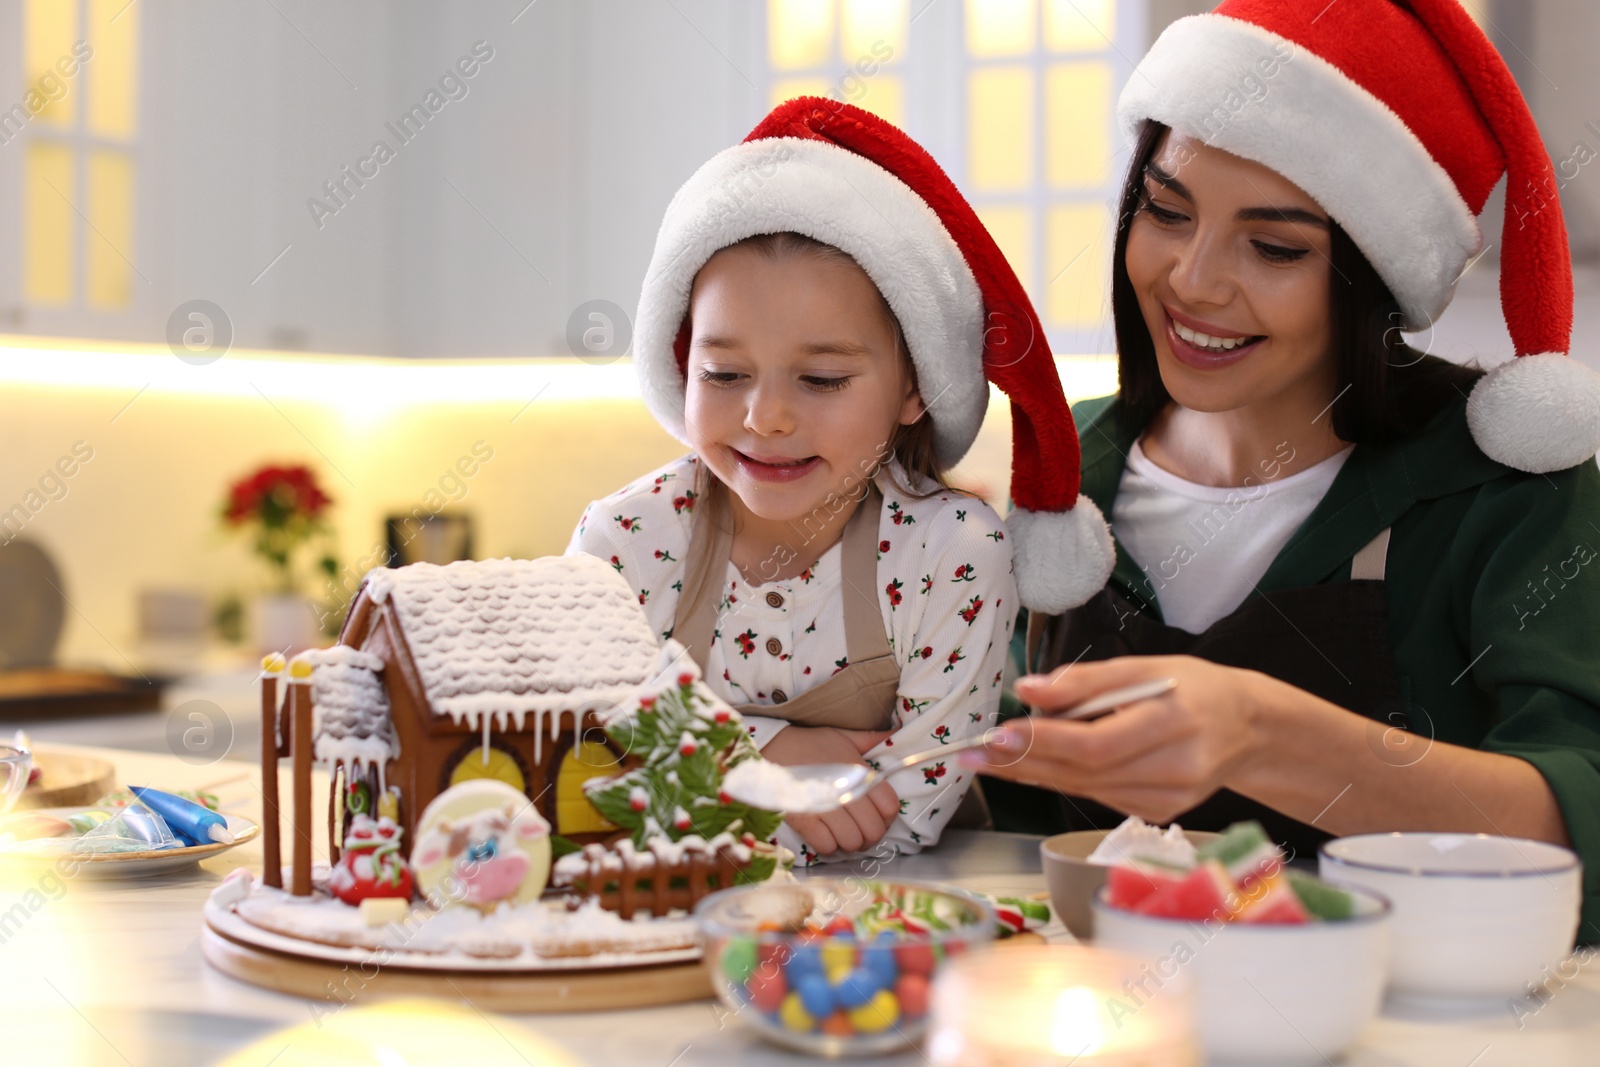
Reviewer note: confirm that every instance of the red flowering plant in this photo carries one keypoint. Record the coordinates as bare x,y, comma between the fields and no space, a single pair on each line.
284,509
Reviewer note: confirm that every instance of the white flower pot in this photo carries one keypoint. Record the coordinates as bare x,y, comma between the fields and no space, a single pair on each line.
283,623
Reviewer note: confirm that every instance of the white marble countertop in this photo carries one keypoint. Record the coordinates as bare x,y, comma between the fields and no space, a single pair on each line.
110,972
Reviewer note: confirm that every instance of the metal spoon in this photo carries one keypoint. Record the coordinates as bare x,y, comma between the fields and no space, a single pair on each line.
850,781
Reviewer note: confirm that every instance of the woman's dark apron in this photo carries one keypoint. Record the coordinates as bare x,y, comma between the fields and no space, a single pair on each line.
1331,640
862,695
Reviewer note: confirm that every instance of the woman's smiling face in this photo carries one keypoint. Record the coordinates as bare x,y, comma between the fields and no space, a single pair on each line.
1231,264
796,381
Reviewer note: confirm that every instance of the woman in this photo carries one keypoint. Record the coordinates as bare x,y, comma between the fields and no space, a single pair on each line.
1378,597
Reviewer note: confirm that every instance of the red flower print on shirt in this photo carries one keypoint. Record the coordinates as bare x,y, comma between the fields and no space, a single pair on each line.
927,583
644,595
925,652
901,518
931,775
806,576
883,547
840,664
616,564
746,642
966,573
970,612
941,734
665,556
910,706
997,536
954,658
683,503
893,589
632,525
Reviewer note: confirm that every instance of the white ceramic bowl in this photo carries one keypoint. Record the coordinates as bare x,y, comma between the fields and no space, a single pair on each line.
1268,994
1475,916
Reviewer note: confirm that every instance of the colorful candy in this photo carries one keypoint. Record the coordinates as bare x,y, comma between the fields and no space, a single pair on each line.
845,978
1239,877
1013,915
793,1015
739,959
877,1014
767,989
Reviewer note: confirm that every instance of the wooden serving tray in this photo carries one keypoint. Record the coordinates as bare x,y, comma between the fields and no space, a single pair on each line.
33,692
643,986
68,780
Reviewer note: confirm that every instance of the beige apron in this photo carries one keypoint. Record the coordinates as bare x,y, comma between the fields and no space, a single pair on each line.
862,696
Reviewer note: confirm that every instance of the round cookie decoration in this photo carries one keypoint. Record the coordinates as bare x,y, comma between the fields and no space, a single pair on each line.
481,843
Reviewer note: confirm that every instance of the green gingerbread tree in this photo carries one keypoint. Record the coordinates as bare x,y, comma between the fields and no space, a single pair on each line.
688,739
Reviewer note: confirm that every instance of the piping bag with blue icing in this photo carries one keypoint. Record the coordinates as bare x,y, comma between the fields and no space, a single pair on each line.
195,823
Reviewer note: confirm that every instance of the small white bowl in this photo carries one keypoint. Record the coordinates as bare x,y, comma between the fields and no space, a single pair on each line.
1268,994
1476,917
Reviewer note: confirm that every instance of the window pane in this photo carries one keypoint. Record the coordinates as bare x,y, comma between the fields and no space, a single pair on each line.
1077,124
874,30
1080,283
1012,229
1079,25
789,88
47,224
48,28
884,96
112,75
109,206
1000,129
799,33
1000,27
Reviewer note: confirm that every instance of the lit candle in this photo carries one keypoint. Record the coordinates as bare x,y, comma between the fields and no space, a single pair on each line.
1050,1006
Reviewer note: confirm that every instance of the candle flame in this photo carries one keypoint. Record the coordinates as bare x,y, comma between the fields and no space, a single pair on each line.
1076,1029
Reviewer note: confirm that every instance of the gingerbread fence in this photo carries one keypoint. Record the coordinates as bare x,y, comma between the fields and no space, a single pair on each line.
668,875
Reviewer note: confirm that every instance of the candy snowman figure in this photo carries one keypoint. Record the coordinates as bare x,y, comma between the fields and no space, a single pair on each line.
370,864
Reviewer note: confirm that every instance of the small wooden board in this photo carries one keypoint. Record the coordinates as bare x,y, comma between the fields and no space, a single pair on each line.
67,781
53,692
552,991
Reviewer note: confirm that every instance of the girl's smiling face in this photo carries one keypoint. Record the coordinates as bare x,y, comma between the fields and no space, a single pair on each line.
796,378
1231,264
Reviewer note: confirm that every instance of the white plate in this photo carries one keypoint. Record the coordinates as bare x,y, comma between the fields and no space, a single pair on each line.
230,925
132,864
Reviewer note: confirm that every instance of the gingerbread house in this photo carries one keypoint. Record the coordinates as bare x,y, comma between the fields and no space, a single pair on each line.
442,674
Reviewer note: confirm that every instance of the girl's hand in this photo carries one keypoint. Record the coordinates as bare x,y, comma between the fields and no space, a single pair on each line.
1153,758
859,824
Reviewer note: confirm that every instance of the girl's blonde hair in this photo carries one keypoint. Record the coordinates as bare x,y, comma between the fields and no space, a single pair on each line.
911,444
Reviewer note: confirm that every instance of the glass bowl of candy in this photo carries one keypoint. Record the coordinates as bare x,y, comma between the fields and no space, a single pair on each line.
837,966
1286,968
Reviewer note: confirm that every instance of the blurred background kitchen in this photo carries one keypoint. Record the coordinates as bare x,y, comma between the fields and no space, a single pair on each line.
290,289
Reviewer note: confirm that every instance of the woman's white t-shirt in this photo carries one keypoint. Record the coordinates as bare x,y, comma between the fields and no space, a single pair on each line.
1203,548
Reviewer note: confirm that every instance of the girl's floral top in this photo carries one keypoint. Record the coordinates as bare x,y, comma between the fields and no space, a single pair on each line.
945,588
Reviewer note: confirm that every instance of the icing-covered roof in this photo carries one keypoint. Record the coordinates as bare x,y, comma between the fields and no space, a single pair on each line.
510,637
351,721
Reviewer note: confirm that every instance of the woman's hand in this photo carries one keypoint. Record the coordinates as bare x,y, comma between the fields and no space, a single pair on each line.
1153,758
859,824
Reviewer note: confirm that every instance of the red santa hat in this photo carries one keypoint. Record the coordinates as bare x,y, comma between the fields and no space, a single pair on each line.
1399,120
845,177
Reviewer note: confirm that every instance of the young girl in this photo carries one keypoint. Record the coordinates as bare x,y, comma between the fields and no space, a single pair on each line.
815,331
